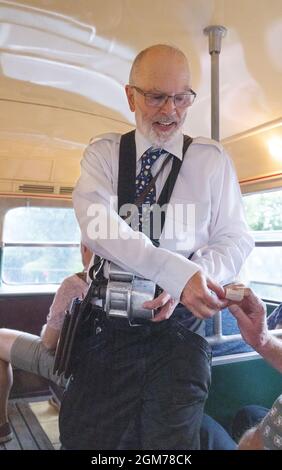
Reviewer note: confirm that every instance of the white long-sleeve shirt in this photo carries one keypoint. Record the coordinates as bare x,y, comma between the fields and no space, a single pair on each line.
206,185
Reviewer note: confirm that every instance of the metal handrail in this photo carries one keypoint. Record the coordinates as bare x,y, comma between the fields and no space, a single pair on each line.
39,244
221,339
269,243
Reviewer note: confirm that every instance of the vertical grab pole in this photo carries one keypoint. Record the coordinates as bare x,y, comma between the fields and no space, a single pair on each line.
215,34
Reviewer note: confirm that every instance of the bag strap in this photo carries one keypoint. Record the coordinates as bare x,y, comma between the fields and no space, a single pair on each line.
167,190
127,174
139,201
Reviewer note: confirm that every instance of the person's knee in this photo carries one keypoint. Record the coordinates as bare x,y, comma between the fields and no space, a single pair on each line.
245,418
7,339
213,436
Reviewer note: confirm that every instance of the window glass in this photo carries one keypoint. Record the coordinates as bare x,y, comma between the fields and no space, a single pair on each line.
41,224
263,268
45,265
24,263
264,212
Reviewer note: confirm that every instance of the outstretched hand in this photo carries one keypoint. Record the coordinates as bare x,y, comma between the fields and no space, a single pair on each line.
250,314
203,296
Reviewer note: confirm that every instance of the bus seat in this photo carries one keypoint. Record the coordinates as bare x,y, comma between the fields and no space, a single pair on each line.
275,318
229,327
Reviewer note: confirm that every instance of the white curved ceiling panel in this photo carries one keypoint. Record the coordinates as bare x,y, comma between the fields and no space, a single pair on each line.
64,65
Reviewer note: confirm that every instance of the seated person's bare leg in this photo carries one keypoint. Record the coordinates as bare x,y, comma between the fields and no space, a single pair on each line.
7,339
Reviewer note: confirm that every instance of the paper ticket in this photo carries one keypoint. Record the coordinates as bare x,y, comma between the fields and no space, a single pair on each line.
234,293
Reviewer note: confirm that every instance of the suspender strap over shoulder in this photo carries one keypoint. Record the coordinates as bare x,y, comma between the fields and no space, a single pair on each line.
126,183
127,169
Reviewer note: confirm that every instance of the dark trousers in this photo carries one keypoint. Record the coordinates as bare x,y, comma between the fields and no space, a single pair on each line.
158,374
214,436
246,418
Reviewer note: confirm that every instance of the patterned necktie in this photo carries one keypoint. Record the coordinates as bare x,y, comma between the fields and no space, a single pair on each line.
143,179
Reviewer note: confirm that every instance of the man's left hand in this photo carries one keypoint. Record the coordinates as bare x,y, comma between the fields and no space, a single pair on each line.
164,304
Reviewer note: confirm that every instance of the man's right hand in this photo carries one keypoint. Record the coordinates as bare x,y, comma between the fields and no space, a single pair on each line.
197,297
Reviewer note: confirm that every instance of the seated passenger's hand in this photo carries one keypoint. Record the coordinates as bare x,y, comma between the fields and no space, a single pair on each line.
164,304
203,296
251,305
250,314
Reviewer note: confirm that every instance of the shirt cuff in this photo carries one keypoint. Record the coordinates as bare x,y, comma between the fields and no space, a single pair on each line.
175,273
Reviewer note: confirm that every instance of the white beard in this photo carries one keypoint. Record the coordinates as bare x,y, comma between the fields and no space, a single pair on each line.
159,141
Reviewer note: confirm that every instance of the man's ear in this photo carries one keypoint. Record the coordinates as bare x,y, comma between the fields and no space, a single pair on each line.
130,97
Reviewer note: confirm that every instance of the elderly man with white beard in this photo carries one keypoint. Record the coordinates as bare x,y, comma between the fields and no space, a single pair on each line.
160,371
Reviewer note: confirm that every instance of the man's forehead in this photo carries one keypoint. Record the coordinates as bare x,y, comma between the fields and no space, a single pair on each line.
153,59
170,80
156,69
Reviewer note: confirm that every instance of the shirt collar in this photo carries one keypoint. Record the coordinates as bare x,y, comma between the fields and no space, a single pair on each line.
174,147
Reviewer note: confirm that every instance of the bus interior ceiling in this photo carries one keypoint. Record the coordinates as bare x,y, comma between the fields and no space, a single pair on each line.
64,65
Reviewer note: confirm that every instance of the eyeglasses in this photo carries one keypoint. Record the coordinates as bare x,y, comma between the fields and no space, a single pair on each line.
157,100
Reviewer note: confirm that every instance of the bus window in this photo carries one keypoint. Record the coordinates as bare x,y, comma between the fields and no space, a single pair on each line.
264,266
40,245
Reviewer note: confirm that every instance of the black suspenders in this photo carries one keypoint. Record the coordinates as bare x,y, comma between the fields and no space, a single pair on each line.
127,177
127,172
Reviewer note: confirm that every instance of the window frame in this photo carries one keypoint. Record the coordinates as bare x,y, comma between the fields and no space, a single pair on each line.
7,204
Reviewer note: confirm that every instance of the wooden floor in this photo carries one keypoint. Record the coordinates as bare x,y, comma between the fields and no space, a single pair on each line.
28,434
